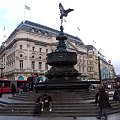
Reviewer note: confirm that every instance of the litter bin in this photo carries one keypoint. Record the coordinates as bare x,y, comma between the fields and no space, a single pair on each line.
0,95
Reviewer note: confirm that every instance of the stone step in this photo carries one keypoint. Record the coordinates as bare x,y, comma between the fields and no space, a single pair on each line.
65,96
55,113
69,103
3,104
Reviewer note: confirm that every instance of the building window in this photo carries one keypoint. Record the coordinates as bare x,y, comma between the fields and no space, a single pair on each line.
32,30
40,49
32,56
40,65
91,76
79,69
90,69
33,64
46,67
46,50
33,48
21,46
20,78
89,56
90,62
46,33
39,31
21,55
21,64
83,69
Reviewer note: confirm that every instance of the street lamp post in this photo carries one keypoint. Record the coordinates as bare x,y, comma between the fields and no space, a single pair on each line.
99,68
1,72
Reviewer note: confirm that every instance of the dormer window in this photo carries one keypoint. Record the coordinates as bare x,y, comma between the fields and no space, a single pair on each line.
39,31
46,33
32,30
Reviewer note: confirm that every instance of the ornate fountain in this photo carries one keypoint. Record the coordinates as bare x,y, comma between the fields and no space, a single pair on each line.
61,60
62,74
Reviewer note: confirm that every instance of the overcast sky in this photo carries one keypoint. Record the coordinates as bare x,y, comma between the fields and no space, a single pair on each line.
98,20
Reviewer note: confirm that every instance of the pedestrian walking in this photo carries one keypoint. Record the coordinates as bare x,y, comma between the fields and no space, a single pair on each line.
30,81
102,101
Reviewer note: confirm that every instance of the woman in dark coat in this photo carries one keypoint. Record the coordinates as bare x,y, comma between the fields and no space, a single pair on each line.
13,89
102,101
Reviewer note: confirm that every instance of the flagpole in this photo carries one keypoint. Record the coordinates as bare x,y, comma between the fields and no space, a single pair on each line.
94,42
25,8
24,14
3,33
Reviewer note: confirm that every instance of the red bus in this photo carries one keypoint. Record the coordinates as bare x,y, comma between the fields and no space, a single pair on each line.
5,85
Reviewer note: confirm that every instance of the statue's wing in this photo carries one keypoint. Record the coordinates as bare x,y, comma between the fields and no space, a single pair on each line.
69,10
61,8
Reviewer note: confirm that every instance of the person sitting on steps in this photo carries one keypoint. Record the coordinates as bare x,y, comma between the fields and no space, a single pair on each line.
38,106
46,102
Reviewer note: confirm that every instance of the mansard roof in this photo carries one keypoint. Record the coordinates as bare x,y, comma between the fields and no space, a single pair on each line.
89,47
29,26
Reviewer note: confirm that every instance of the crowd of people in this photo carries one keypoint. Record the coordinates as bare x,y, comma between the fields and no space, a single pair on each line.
32,80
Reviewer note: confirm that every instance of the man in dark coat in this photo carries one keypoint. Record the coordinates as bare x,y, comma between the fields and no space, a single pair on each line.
13,89
102,101
30,81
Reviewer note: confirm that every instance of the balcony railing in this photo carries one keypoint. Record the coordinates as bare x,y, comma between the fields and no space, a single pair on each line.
24,71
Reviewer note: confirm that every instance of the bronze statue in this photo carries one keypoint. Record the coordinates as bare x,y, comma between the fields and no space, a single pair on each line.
63,13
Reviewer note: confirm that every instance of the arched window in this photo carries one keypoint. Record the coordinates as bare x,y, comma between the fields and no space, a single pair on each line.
20,78
39,31
32,30
21,55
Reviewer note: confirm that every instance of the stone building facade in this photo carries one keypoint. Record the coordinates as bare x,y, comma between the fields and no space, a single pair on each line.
25,51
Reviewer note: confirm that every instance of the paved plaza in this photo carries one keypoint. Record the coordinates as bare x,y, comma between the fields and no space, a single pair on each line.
110,117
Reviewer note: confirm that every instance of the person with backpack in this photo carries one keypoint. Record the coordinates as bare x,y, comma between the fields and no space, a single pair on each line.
101,100
36,78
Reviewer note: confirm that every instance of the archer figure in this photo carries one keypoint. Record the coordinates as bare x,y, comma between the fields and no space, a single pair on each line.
63,12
